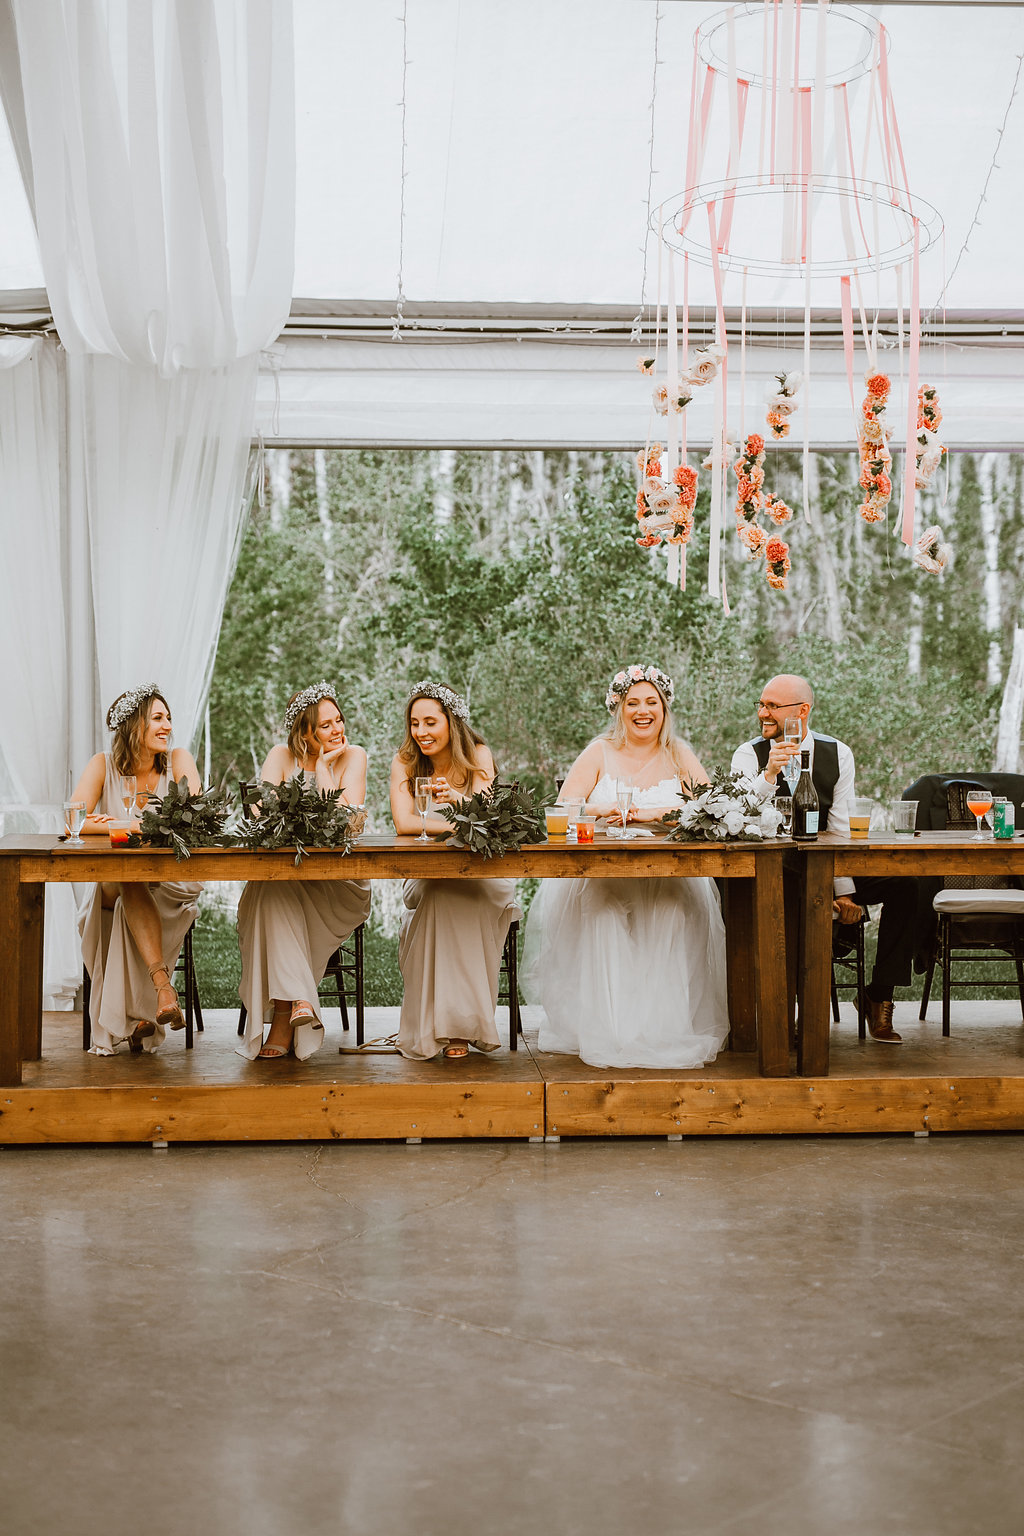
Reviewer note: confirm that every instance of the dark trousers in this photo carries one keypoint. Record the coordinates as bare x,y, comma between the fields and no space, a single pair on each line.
897,929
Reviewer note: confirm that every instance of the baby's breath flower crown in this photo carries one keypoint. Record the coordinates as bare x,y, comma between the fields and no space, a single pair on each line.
304,699
123,708
623,681
453,702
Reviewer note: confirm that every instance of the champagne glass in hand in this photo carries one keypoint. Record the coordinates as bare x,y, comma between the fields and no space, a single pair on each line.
792,734
423,806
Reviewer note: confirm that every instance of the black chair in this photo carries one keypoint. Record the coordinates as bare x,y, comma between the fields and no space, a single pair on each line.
189,987
973,921
848,955
345,973
508,985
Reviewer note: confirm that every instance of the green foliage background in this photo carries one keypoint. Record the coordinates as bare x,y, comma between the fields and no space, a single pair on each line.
515,578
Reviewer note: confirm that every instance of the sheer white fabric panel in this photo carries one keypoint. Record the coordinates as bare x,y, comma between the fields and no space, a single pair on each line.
162,160
34,768
163,462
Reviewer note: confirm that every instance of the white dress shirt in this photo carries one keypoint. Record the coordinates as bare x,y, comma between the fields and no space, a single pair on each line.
744,760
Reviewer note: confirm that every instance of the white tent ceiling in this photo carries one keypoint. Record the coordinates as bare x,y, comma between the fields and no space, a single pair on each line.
527,128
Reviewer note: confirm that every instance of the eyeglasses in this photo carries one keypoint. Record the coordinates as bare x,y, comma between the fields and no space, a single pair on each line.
764,704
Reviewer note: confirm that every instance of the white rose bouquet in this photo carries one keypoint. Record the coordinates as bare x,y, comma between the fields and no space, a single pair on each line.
726,810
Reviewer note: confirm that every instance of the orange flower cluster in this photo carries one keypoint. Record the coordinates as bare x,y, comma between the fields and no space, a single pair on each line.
929,449
875,458
751,500
664,511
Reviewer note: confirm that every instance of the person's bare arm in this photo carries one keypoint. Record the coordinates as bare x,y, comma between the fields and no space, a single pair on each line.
183,765
403,804
89,788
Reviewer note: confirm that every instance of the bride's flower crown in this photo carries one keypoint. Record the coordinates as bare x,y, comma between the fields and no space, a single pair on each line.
623,681
453,702
123,708
304,699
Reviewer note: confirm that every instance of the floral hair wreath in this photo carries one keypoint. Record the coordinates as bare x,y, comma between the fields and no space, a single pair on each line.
304,699
123,708
453,702
623,681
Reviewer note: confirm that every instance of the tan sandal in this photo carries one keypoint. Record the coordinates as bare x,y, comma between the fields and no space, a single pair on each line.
456,1051
143,1030
171,1016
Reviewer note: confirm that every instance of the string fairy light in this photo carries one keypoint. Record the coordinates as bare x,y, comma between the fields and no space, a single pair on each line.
399,315
976,221
636,332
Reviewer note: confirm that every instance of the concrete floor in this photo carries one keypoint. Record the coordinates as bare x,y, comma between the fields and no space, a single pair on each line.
746,1336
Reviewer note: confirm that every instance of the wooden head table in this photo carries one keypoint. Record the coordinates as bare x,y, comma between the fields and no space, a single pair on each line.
881,853
753,908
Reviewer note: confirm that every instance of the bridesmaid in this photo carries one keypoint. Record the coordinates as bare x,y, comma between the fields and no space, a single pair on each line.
288,931
132,932
454,931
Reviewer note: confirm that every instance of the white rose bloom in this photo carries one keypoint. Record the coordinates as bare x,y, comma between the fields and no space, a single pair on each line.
735,821
791,383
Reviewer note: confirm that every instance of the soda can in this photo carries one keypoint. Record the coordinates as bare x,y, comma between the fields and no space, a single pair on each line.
1003,818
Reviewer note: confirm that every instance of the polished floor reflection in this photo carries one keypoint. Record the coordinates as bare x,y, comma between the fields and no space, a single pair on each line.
749,1336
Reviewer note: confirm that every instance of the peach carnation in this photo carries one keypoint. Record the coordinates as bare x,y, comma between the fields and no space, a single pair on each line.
776,550
878,386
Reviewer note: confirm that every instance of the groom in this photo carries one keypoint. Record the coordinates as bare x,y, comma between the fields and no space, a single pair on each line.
832,770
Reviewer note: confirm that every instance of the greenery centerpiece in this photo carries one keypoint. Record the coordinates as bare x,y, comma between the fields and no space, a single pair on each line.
183,820
297,814
726,810
496,820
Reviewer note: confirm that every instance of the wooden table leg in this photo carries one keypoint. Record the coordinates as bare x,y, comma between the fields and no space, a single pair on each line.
741,963
770,928
815,964
10,973
31,907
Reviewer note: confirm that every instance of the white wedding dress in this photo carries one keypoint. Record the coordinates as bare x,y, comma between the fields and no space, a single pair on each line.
629,973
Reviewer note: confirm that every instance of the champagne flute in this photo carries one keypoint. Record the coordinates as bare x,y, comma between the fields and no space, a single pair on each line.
131,795
623,800
423,806
979,803
792,732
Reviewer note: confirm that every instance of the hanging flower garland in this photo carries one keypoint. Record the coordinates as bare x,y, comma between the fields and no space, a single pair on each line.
664,510
875,458
929,449
931,554
781,402
751,501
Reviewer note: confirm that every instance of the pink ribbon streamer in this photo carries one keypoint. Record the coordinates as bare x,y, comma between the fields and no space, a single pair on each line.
910,466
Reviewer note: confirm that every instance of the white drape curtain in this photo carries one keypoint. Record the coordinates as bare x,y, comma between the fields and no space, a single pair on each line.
156,138
33,639
161,138
163,467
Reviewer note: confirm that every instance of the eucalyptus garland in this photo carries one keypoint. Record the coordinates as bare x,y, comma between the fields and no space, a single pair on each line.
183,820
299,815
496,820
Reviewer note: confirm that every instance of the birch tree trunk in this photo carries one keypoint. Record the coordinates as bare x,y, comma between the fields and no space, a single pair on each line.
1011,711
323,511
834,627
444,487
990,538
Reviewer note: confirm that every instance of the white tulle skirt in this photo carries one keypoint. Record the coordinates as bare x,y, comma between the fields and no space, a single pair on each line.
629,973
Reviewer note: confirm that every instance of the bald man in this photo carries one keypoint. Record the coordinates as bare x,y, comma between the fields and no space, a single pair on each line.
788,697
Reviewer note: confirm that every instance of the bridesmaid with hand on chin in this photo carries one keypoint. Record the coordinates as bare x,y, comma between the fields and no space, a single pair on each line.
132,931
454,931
288,930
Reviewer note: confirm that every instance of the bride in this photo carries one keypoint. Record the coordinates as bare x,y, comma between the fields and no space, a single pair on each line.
630,973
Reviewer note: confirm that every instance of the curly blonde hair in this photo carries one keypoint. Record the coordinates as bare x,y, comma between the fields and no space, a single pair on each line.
129,741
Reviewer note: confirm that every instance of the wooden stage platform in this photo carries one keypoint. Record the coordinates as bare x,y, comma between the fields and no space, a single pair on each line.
973,1081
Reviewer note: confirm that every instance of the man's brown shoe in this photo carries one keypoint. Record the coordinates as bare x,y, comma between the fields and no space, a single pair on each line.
879,1018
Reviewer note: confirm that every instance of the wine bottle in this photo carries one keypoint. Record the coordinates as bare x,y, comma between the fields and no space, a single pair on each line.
805,803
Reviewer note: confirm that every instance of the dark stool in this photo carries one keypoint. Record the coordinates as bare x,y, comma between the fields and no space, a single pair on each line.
193,1007
344,972
508,985
848,955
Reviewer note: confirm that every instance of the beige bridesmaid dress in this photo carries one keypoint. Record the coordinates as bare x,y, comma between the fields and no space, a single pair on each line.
122,988
449,952
287,932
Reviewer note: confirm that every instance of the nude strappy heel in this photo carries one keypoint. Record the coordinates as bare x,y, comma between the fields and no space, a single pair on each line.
172,1017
